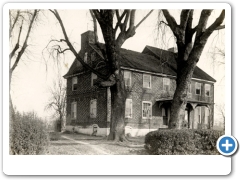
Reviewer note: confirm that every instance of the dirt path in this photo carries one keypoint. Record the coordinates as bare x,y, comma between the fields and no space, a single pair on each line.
93,148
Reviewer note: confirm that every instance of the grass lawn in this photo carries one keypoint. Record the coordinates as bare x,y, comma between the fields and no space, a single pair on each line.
79,144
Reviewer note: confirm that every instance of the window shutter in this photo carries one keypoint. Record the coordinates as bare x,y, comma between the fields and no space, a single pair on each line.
128,108
74,110
127,78
93,108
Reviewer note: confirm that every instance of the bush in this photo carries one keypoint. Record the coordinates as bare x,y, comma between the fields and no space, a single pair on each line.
28,134
182,142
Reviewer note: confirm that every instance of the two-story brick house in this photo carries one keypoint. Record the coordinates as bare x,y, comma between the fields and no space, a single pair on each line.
150,85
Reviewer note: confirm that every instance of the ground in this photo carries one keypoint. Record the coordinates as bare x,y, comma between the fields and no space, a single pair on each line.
79,144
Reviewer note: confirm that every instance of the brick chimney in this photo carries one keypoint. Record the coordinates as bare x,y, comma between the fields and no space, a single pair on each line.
86,38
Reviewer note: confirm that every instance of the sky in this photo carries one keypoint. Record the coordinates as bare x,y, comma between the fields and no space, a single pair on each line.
35,74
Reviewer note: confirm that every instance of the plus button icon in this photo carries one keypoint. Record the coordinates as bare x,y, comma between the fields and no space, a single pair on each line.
227,145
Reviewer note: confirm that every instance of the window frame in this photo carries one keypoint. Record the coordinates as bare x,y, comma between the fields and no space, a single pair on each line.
130,78
147,102
209,85
196,88
164,83
150,81
74,78
72,109
92,78
92,115
131,113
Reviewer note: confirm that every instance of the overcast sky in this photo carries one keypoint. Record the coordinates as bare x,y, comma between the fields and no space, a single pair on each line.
35,74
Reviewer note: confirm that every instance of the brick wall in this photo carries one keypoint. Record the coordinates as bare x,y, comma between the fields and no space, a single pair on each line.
138,94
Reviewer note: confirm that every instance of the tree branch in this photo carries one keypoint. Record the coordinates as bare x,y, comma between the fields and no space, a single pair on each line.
215,25
17,44
171,21
184,19
14,22
25,42
55,12
143,19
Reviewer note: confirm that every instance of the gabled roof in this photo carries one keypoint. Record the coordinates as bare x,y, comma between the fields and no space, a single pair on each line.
147,61
168,57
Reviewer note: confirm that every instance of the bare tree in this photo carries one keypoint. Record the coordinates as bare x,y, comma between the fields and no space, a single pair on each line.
126,27
57,101
190,43
17,20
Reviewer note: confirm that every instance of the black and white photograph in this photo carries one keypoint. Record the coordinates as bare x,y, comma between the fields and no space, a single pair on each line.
117,81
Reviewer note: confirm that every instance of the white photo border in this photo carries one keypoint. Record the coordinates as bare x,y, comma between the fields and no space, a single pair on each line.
106,164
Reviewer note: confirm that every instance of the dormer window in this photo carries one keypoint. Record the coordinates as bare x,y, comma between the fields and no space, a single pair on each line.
85,57
74,83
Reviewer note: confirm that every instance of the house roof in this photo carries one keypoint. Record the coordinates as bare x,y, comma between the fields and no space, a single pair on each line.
168,57
145,62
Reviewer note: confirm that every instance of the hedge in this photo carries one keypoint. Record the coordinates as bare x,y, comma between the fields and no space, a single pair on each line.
182,142
28,135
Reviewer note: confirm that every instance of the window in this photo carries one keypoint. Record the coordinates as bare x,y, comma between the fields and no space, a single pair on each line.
127,78
206,115
93,79
128,108
146,81
199,114
74,110
146,110
207,89
166,84
198,88
85,57
74,83
93,108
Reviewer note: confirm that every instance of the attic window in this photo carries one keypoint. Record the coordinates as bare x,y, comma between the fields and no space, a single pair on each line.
85,57
147,81
74,83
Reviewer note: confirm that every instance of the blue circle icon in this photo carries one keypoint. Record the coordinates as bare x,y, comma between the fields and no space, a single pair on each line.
227,145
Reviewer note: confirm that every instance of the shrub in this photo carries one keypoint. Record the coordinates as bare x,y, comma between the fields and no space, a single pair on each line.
28,134
182,142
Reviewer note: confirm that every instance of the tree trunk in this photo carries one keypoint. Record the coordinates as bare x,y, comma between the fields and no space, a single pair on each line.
179,102
117,126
